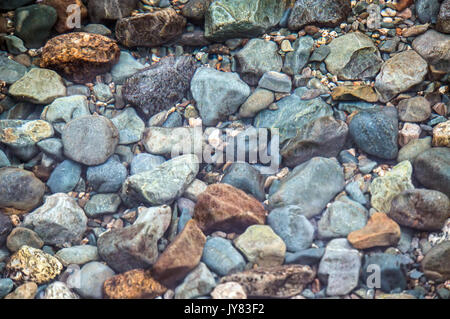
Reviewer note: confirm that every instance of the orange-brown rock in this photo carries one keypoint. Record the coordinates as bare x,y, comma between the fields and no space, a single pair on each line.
403,4
150,29
133,284
354,92
181,256
379,231
226,208
66,13
80,56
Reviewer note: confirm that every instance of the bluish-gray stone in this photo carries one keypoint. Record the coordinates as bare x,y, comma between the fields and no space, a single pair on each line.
126,67
296,60
309,256
101,204
221,257
145,162
10,70
244,176
6,285
107,177
130,126
64,177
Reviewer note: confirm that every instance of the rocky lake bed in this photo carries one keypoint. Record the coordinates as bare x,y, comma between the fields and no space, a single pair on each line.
224,149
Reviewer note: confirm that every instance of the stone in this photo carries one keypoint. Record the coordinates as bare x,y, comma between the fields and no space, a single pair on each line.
342,217
163,184
65,10
110,9
339,268
52,147
223,207
413,149
384,188
273,282
443,19
376,132
135,246
133,284
353,56
101,204
89,280
96,29
399,74
309,186
324,137
39,86
256,58
26,291
427,10
150,29
5,228
145,162
435,263
23,237
259,100
20,189
78,255
421,209
409,131
329,13
391,271
196,9
102,92
229,290
80,56
6,285
107,177
221,257
247,178
144,89
308,257
10,70
320,54
32,264
90,140
34,23
234,19
434,47
195,189
59,290
181,256
22,134
296,60
416,109
354,92
353,189
126,67
13,4
276,82
218,94
172,141
60,220
441,134
64,177
199,282
261,246
432,169
379,231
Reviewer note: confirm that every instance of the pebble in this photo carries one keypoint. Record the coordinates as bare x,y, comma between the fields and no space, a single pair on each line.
125,68
259,100
6,285
296,60
229,290
77,255
26,291
221,257
21,236
199,282
432,169
107,177
105,10
247,178
443,19
416,109
434,46
62,7
101,204
10,70
310,257
427,10
145,162
59,290
441,134
64,177
413,149
88,281
435,264
52,147
5,228
276,82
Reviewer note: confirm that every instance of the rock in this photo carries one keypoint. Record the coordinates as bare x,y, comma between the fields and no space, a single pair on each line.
221,257
145,162
162,184
59,290
421,209
384,188
196,9
416,109
22,134
199,282
261,246
443,19
354,92
101,204
256,58
133,284
20,189
390,270
259,100
107,177
4,161
379,231
328,13
218,94
78,255
309,186
10,70
353,56
296,60
435,264
110,9
26,291
308,257
434,47
427,10
441,134
60,220
23,237
172,141
353,189
413,149
96,29
102,92
195,189
52,147
135,246
39,86
126,67
31,264
324,137
5,228
13,4
144,89
33,24
320,54
6,285
150,29
432,169
64,177
247,178
234,19
181,256
399,74
80,56
342,217
376,132
88,282
339,267
90,140
65,10
275,81
273,282
229,290
225,208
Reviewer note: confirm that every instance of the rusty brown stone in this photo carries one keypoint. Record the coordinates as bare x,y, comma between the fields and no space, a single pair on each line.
150,29
379,231
181,256
226,208
403,4
64,14
354,92
80,56
133,284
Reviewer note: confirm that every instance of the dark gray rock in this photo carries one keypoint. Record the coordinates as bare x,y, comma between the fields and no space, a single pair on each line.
295,61
432,169
246,177
10,70
5,228
101,204
107,177
427,10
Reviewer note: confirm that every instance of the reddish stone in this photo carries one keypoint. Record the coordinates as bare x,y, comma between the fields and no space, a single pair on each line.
65,15
403,4
226,208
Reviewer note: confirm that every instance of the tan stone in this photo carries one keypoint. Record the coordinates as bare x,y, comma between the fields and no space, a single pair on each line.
441,134
408,133
26,291
354,92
